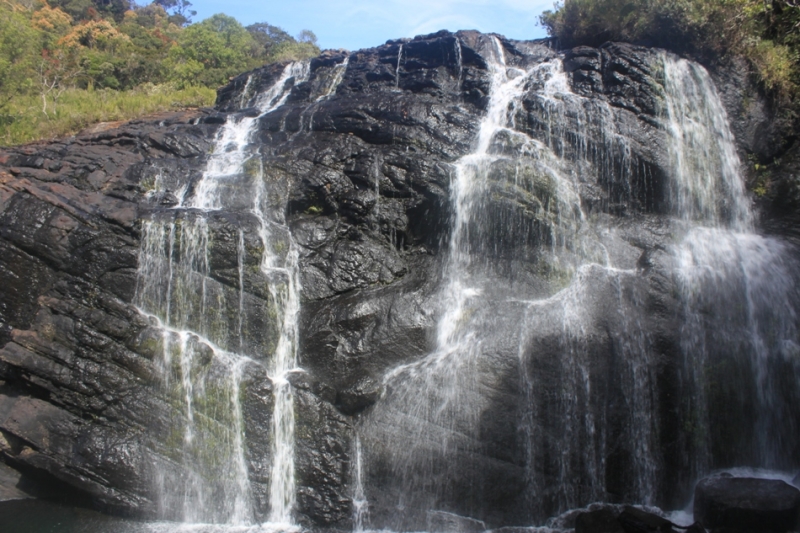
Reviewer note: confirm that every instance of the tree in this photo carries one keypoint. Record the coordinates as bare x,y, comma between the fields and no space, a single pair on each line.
220,44
96,49
307,36
277,45
268,37
94,9
180,14
54,75
19,51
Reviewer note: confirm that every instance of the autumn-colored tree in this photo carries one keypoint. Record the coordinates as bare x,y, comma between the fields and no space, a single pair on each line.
54,53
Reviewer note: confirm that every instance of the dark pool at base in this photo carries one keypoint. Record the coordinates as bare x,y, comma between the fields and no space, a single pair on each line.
42,516
37,516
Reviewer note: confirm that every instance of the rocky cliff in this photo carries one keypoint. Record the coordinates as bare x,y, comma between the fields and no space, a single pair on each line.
361,159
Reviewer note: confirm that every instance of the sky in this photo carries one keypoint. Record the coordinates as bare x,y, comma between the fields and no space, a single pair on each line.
355,24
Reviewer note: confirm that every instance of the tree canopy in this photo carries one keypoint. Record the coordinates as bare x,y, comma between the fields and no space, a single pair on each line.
48,47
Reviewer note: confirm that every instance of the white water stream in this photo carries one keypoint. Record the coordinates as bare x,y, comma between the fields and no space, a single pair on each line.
722,264
427,426
206,351
433,409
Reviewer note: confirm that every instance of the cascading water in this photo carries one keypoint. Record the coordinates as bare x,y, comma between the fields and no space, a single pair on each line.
206,350
516,214
525,277
706,185
723,265
432,409
397,67
360,503
589,316
335,76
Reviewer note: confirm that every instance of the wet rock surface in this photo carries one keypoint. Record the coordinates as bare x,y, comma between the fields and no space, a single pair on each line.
627,520
442,522
599,521
725,503
366,167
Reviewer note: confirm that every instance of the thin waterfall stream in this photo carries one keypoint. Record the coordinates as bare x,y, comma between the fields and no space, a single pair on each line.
722,263
206,351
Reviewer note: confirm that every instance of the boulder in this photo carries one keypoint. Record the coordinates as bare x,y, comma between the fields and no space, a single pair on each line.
9,483
600,521
444,522
746,504
635,520
631,520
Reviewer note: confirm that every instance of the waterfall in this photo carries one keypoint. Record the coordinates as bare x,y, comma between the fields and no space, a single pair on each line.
541,297
397,67
531,284
723,265
207,350
360,503
706,185
432,409
334,79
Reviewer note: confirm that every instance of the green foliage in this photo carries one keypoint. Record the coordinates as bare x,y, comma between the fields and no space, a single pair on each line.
766,32
293,51
94,9
19,51
181,14
79,108
220,44
56,57
268,36
274,44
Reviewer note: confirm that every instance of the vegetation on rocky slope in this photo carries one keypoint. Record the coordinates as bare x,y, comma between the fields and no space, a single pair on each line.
68,63
766,32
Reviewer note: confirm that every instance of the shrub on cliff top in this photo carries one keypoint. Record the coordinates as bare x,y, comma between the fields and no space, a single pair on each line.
767,32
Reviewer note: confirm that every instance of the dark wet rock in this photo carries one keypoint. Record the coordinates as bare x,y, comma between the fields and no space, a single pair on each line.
599,521
359,396
727,503
257,409
10,481
364,172
695,528
612,519
635,520
322,457
444,522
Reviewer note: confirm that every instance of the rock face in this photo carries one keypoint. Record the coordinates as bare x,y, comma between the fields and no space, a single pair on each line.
746,504
629,520
599,521
442,522
77,364
364,156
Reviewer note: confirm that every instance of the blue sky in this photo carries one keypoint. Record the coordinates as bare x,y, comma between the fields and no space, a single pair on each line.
355,24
